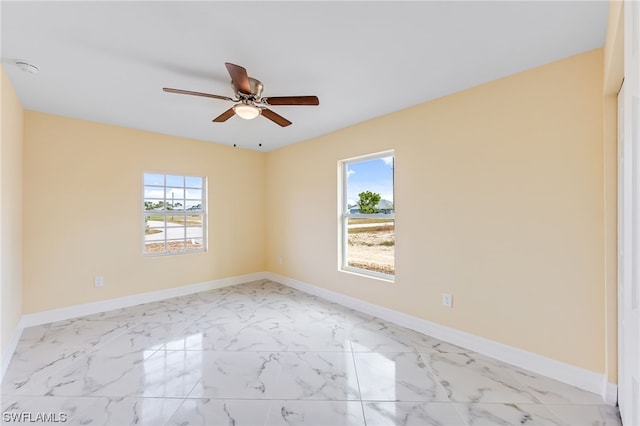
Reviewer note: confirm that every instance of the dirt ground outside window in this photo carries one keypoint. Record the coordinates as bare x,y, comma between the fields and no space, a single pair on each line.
372,248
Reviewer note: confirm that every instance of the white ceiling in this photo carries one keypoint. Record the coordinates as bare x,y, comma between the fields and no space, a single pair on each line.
108,61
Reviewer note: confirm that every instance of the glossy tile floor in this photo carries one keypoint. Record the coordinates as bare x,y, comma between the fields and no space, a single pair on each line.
264,354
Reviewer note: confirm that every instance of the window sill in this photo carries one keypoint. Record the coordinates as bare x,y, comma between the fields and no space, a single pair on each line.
390,279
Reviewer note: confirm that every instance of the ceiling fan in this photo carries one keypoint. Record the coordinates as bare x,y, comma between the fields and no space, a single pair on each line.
248,98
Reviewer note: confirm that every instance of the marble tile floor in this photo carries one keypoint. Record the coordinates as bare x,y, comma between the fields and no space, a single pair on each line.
264,354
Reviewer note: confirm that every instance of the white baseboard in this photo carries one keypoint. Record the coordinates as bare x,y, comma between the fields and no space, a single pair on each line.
563,372
567,373
610,393
8,351
61,314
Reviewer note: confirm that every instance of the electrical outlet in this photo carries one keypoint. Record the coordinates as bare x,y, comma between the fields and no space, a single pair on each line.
98,281
447,300
280,260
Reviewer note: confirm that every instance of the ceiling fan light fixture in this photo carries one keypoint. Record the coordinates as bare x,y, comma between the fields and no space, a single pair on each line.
246,111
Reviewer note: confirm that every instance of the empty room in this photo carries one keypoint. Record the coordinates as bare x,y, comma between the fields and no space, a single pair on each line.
320,213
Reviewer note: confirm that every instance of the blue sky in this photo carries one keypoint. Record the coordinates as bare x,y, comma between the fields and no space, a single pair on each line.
175,189
370,175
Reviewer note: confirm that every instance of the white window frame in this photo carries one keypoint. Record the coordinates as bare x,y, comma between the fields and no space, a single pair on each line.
344,215
202,212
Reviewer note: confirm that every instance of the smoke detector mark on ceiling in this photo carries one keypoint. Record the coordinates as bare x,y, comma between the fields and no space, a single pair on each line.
27,67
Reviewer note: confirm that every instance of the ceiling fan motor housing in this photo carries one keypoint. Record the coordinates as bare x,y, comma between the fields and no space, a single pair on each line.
256,90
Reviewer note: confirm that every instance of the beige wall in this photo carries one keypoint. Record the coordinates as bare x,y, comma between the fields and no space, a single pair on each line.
11,127
613,76
83,211
499,200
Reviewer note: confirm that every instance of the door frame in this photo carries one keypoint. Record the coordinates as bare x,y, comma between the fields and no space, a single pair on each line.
629,222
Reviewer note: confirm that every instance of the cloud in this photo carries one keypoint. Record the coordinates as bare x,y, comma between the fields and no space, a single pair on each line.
388,161
152,192
350,172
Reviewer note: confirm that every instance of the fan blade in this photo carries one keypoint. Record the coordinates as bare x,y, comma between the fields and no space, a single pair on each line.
292,100
188,92
239,78
224,116
276,118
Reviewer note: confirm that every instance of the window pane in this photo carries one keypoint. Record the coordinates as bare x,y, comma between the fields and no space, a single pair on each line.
153,179
371,244
193,205
154,192
175,197
172,191
194,194
193,182
173,180
176,245
154,204
194,226
370,186
153,221
154,247
151,204
154,234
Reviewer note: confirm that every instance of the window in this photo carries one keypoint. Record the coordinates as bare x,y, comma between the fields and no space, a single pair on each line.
368,216
174,218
